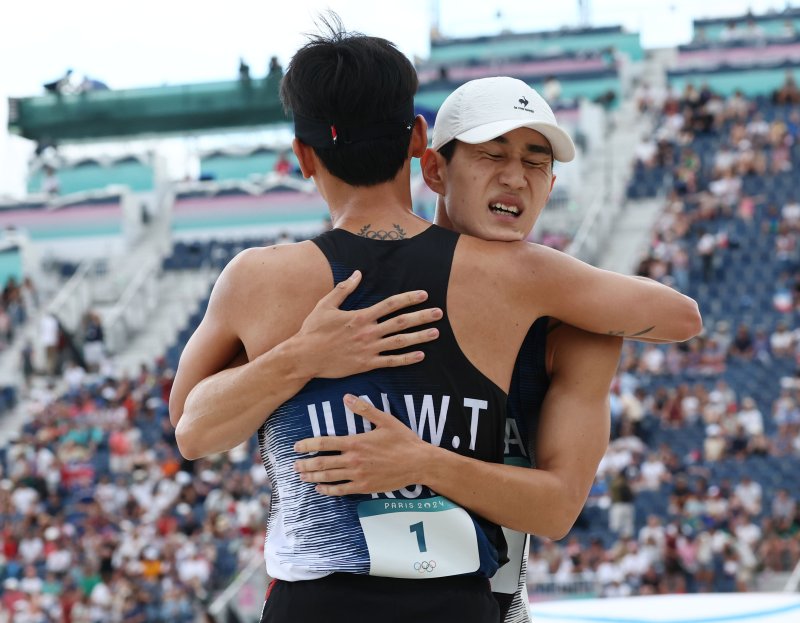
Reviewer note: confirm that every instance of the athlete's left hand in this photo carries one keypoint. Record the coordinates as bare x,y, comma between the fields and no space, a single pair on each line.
389,457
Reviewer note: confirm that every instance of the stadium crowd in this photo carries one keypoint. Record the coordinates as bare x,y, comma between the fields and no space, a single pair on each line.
102,520
680,489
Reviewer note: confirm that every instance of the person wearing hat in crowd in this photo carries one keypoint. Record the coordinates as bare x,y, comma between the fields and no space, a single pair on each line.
355,134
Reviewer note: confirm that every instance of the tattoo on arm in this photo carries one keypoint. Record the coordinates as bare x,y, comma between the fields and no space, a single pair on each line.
639,334
398,233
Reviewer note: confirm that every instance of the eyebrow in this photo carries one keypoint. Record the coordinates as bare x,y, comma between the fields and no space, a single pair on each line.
530,147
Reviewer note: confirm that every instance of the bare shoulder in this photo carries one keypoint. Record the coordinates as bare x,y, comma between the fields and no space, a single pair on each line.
271,277
515,265
274,266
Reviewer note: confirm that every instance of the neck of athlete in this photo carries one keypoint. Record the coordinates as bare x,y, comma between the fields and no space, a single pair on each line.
385,207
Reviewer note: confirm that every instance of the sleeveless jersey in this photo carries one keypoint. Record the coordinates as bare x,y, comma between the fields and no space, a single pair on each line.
412,532
529,383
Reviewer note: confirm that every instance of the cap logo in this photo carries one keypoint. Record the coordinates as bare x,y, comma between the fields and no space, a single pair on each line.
524,101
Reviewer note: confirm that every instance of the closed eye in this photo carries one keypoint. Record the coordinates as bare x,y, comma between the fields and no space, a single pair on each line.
537,164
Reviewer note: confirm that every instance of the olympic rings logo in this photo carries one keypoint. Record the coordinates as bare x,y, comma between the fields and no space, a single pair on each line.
425,566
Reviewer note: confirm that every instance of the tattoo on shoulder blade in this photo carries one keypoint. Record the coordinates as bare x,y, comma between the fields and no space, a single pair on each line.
398,233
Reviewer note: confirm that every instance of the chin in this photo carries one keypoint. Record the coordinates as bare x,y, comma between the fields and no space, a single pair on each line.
501,234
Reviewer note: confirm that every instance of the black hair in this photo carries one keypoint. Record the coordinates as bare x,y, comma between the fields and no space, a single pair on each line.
350,78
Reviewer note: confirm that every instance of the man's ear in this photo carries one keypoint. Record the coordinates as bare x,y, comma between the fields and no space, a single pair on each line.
552,183
434,171
305,157
419,138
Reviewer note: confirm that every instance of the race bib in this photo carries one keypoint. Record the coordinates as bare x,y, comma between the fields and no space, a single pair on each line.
419,539
506,580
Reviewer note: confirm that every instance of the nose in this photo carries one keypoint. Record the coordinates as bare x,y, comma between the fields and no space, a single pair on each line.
512,174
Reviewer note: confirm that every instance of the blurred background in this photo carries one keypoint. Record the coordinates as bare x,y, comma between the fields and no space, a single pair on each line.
142,147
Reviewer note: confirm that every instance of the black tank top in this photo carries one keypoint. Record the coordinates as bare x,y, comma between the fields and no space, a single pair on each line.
412,532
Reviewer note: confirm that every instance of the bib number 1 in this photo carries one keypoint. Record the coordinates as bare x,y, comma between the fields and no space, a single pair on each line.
418,539
419,528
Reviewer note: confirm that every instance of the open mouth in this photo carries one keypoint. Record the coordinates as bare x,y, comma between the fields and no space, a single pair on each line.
503,209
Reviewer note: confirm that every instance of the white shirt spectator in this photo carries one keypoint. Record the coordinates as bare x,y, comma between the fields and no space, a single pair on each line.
749,494
74,376
748,533
194,568
653,472
781,341
609,572
691,407
48,331
59,560
634,563
653,360
791,212
646,151
31,584
538,570
750,417
101,600
31,549
25,499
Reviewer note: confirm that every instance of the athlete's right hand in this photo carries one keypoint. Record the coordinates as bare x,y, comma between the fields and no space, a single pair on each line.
341,343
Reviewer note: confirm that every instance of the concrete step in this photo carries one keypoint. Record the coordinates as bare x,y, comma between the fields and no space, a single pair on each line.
180,292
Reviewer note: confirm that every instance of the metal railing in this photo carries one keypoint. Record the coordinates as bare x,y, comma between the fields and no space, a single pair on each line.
132,310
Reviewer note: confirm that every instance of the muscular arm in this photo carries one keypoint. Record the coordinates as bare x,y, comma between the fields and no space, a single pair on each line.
214,405
573,435
596,300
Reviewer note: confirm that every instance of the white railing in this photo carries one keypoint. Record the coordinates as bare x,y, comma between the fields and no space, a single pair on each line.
243,599
793,583
595,230
132,310
556,587
74,299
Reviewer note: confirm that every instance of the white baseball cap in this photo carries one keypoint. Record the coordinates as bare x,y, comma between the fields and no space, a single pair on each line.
486,108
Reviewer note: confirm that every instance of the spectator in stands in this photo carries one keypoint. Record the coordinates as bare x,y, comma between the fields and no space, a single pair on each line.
622,514
731,32
782,341
748,494
749,416
788,93
551,90
706,246
752,31
275,70
93,341
646,151
244,72
283,165
49,338
50,184
714,444
784,507
742,345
